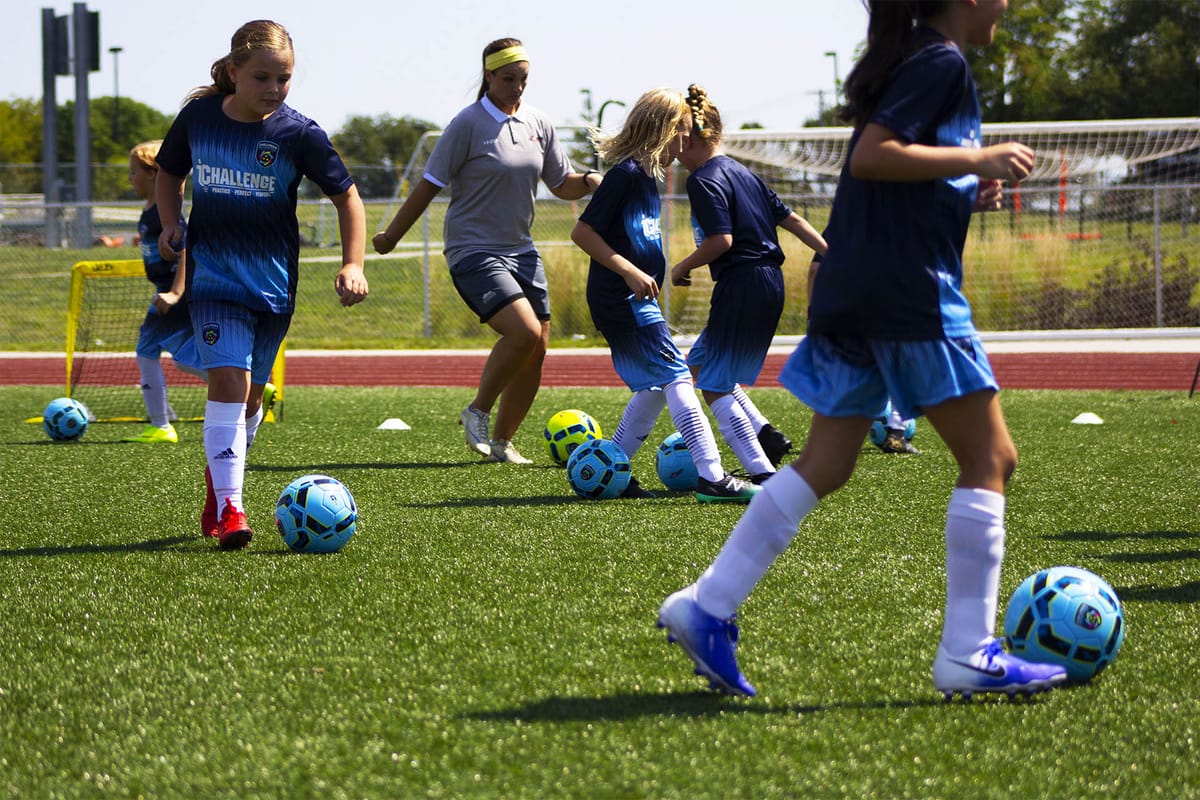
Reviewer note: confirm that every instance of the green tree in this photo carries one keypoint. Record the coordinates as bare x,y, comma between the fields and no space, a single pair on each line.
1090,59
1134,58
378,148
1020,74
20,144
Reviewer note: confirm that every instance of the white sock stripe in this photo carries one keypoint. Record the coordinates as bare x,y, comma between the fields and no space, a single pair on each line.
756,417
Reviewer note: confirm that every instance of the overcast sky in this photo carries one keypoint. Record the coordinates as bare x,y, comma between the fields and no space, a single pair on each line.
761,60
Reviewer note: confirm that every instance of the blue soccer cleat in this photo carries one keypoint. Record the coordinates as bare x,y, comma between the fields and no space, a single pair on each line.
708,641
993,670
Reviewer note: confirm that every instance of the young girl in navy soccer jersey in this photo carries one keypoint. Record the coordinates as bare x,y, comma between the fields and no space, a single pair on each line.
888,316
168,325
735,215
620,230
492,155
247,151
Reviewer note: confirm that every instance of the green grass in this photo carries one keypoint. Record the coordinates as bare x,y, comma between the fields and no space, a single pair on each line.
486,634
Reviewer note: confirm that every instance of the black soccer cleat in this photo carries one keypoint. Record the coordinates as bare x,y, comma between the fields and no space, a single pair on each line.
774,444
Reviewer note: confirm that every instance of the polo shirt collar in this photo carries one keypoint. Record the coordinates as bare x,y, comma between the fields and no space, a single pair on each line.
496,113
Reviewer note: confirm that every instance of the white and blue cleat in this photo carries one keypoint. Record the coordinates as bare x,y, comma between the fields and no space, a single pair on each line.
993,671
707,640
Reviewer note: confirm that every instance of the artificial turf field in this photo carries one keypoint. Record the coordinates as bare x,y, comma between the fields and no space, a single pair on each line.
487,634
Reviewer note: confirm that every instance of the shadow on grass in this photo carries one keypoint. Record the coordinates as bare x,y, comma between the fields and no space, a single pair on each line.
1187,593
147,546
310,468
491,502
671,704
1115,536
383,465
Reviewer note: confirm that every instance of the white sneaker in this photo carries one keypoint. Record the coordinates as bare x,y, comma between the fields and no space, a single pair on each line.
502,451
475,429
993,670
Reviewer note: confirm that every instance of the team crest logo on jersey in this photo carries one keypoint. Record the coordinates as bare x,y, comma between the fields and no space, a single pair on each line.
210,332
265,153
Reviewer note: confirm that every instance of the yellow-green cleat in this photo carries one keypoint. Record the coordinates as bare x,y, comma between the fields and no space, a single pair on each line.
152,434
268,402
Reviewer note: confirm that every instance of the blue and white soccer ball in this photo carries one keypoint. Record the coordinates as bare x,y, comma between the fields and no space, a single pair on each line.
316,514
65,420
1067,616
598,470
879,429
566,431
674,464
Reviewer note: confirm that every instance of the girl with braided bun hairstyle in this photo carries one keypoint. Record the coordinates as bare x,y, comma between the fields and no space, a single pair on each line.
887,317
621,232
492,155
734,218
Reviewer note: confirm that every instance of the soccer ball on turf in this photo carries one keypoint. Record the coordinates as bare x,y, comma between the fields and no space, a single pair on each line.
879,429
316,514
673,462
65,420
598,470
566,430
1067,616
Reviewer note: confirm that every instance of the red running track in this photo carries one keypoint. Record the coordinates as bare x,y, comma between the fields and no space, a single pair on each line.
1151,371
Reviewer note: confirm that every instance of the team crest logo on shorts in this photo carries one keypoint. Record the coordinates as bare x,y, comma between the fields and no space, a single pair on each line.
210,332
265,153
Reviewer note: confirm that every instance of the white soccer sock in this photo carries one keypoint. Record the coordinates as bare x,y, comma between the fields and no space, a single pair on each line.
738,432
756,417
641,412
252,423
154,390
763,532
974,552
693,426
225,447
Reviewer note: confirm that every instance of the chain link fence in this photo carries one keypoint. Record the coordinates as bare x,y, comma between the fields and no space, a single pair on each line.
1124,255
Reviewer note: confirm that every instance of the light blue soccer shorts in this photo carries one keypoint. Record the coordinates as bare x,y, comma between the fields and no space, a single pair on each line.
851,376
645,356
232,335
170,332
161,332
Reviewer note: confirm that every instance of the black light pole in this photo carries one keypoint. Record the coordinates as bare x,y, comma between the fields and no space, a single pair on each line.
837,81
116,133
600,120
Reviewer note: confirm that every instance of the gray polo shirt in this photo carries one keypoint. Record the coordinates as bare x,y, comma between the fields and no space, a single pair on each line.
492,163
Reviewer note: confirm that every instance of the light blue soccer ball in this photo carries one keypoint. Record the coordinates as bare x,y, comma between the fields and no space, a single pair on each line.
1067,616
567,430
316,514
674,464
598,470
65,420
879,429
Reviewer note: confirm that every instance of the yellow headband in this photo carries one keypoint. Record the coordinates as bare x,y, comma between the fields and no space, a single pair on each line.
508,55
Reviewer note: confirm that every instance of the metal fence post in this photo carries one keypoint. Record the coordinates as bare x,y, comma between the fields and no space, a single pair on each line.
1158,268
428,311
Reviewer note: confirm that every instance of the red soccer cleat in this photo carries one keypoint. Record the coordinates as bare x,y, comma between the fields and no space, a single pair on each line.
233,532
208,517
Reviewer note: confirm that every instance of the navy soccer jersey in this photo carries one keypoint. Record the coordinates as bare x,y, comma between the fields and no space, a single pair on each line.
728,198
161,273
243,243
624,211
894,266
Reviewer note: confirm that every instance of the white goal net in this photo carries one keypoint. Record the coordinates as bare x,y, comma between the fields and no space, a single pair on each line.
1105,233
